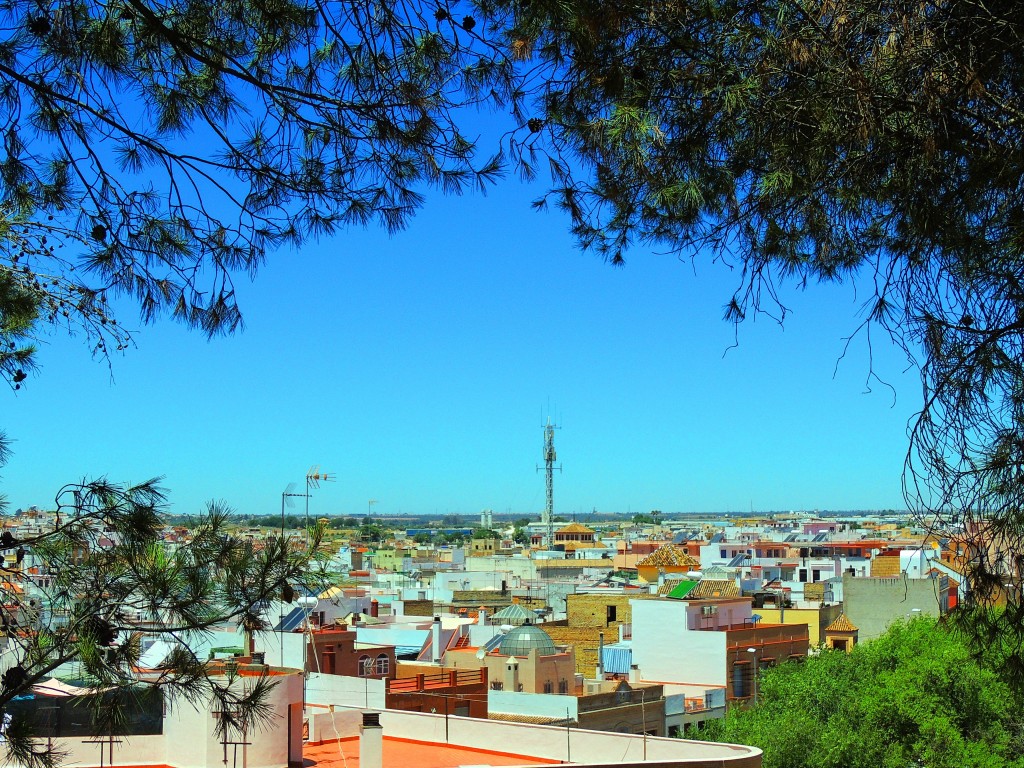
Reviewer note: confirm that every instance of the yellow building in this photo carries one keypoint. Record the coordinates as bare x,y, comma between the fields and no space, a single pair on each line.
816,619
841,634
483,547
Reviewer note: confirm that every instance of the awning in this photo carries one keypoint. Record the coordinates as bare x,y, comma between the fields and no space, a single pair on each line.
617,658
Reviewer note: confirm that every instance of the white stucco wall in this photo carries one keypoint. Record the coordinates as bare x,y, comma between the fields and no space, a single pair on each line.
533,704
189,739
504,567
343,690
665,651
282,649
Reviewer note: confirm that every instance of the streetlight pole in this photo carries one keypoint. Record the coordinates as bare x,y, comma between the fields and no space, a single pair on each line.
754,673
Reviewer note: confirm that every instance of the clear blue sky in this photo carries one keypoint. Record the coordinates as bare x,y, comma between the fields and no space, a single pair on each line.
419,369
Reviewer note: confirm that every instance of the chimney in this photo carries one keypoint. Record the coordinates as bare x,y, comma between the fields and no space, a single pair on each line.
374,608
481,616
371,741
512,674
435,640
634,674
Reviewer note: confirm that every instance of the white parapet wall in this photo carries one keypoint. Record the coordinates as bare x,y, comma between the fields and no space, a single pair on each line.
571,745
345,691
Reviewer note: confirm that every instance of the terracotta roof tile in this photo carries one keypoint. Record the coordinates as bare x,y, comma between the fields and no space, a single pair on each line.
575,528
841,624
668,555
710,588
512,717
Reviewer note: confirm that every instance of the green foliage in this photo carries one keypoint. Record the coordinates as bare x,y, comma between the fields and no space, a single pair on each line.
800,141
112,578
159,151
371,532
19,309
915,696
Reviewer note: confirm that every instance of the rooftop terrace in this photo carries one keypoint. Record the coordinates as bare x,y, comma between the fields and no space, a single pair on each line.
401,753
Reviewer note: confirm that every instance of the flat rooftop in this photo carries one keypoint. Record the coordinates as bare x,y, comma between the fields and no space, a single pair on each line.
403,753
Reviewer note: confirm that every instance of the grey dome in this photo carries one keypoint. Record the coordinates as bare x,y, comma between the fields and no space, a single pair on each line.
521,640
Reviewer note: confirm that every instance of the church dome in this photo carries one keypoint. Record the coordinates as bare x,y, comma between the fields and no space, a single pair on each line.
521,640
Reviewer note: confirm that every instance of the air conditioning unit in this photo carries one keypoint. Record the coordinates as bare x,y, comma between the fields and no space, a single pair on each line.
708,610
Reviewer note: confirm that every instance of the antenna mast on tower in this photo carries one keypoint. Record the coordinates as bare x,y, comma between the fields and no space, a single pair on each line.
548,518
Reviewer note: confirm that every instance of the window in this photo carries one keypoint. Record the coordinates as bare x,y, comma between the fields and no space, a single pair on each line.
610,612
724,554
548,687
803,575
383,664
365,666
563,686
815,575
742,679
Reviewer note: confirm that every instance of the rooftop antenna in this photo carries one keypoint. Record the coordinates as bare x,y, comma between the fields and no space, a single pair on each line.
313,479
286,499
548,519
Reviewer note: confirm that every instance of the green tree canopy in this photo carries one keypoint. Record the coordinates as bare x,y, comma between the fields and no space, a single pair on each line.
915,696
875,141
159,150
110,579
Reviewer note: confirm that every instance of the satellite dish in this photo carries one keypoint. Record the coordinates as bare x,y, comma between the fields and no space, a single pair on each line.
481,653
308,601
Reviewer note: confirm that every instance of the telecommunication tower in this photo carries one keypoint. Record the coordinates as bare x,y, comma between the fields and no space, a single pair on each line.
548,518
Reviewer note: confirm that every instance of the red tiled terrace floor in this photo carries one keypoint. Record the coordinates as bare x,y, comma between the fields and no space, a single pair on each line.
399,753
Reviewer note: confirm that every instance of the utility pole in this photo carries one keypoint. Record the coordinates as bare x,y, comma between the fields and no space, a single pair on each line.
548,518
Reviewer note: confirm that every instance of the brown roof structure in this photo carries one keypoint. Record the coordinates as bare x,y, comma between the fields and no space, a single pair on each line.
575,528
711,588
841,624
668,555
